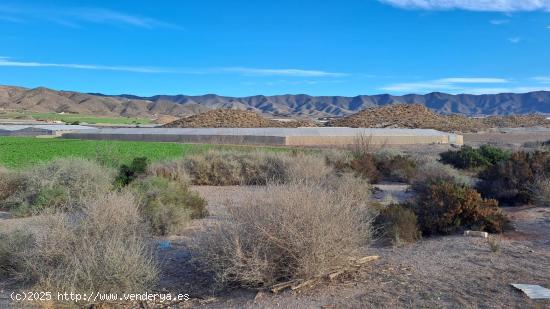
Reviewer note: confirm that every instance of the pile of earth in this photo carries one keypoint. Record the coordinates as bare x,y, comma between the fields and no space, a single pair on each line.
231,118
419,117
414,116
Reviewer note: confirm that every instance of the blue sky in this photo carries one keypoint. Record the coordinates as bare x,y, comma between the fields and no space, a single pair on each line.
241,48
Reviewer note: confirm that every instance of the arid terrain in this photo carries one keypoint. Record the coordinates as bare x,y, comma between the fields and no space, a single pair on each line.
450,272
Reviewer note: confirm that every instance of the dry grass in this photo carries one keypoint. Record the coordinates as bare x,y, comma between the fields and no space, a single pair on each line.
541,191
63,183
286,231
494,243
222,168
9,183
171,170
102,248
398,224
168,206
430,170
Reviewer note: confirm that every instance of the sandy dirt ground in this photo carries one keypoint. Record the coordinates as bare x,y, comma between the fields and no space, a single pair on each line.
439,272
512,138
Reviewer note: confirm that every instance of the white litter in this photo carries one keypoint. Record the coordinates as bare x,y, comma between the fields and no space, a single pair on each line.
476,234
533,291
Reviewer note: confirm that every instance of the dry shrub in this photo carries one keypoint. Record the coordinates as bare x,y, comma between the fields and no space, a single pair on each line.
446,207
540,191
282,232
365,166
171,170
430,171
222,168
398,223
11,248
103,248
167,205
494,243
10,184
305,167
62,183
395,166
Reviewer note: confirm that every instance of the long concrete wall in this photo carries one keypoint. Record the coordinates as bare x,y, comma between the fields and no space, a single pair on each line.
275,137
197,139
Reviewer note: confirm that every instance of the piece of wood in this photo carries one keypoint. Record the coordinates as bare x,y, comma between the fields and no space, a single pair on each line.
302,284
335,275
366,259
281,286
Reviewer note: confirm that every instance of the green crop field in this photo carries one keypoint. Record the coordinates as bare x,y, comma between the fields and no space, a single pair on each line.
17,152
69,118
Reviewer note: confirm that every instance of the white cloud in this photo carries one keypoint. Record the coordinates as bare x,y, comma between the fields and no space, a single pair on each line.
472,80
449,84
8,62
473,5
73,17
281,72
105,16
514,40
523,89
498,22
542,79
5,62
472,85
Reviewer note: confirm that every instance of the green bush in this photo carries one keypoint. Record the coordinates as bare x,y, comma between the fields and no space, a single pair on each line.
494,154
397,223
62,183
471,158
167,205
128,173
511,181
446,207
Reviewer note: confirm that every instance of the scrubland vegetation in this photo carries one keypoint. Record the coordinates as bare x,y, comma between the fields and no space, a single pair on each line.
94,225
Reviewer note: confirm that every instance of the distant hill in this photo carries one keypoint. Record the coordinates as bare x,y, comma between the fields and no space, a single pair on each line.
47,100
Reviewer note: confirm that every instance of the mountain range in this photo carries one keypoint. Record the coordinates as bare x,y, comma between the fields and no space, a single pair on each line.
47,100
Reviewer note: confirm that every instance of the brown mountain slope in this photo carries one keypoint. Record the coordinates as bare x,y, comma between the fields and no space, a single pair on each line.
46,100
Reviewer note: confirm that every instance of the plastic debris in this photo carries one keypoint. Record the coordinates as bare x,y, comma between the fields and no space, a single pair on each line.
163,245
533,291
476,234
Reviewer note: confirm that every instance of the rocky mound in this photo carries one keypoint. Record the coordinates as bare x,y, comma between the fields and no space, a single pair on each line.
407,116
231,118
520,121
